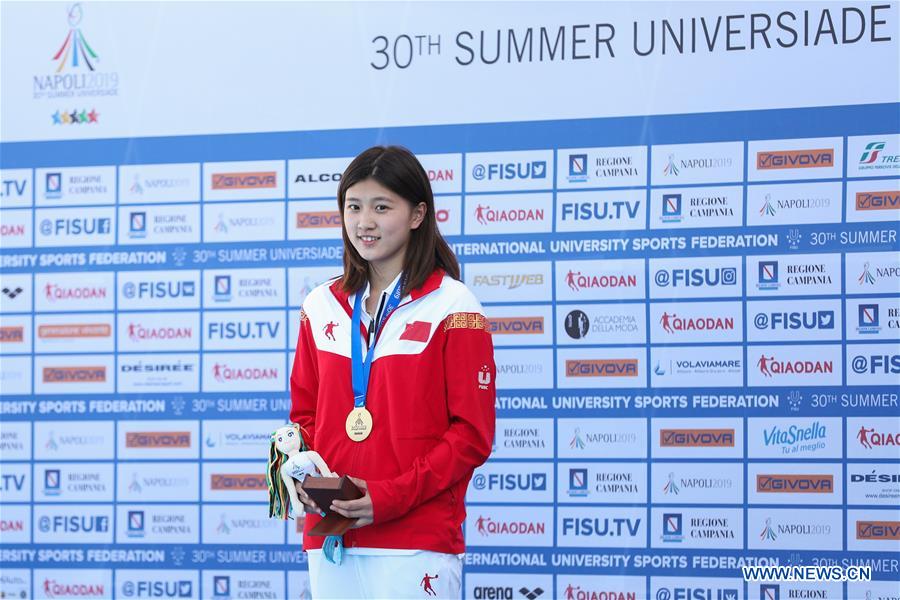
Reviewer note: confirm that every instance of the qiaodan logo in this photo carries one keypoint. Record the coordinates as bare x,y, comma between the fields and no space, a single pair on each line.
75,71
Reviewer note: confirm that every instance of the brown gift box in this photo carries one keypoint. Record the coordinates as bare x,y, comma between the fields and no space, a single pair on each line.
322,490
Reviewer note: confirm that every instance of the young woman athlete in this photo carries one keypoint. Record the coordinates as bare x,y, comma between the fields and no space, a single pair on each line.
393,385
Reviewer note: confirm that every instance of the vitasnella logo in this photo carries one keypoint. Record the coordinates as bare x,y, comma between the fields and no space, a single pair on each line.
794,438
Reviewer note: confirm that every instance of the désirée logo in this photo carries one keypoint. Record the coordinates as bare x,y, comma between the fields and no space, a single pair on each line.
75,73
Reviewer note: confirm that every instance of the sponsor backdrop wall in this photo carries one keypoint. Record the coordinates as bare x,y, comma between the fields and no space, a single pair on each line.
681,219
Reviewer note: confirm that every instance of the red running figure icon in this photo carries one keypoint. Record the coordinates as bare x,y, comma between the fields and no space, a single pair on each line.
426,584
329,330
863,436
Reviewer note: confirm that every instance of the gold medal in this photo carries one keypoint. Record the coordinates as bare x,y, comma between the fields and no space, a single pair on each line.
359,424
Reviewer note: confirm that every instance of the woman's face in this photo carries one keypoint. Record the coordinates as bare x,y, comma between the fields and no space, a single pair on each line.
379,223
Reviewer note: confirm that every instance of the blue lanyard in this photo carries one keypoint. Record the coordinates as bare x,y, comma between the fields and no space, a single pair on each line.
360,368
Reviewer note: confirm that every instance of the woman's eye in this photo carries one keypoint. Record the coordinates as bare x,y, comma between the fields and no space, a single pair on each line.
279,439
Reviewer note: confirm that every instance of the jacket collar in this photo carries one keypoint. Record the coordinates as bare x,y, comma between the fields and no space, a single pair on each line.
432,283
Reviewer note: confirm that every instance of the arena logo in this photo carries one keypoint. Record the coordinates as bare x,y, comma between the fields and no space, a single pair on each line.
317,177
516,325
141,333
499,592
696,438
318,219
792,321
531,482
876,363
577,281
508,281
535,169
699,277
794,484
12,292
76,226
74,331
224,373
577,324
237,482
618,527
600,211
887,200
870,438
245,181
485,214
158,439
57,293
56,589
672,323
96,374
795,439
159,289
794,159
609,367
878,530
770,366
11,334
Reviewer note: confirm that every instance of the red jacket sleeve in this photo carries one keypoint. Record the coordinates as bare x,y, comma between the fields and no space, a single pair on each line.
468,363
305,382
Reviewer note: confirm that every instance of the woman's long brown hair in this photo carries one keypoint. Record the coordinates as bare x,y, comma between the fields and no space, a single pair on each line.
397,169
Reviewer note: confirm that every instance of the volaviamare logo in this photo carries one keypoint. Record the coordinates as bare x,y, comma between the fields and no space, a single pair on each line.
771,366
93,374
878,530
76,63
53,588
534,169
796,439
696,438
516,325
794,159
887,200
238,481
224,373
158,439
767,483
245,181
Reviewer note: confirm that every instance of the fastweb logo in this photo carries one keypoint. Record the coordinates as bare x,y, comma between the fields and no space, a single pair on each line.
807,573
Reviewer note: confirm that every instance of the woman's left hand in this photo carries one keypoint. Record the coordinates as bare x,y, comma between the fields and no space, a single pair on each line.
360,508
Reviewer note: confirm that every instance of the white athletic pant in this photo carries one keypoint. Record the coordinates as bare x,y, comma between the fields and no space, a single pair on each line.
386,576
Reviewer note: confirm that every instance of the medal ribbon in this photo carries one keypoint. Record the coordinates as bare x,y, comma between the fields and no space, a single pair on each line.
360,368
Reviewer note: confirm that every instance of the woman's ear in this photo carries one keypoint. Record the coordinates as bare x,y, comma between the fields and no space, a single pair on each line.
418,215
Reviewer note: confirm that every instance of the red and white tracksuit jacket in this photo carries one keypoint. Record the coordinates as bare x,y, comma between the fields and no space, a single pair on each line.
431,395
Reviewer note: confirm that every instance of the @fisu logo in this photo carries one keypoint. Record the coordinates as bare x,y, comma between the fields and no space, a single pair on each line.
75,50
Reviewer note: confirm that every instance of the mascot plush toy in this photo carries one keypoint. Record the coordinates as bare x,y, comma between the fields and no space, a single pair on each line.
291,460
